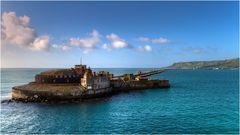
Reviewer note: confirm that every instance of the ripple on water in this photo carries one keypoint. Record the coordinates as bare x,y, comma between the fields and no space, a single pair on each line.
194,104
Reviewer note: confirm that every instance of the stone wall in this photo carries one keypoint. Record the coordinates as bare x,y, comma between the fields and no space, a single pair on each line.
48,95
119,85
57,78
101,82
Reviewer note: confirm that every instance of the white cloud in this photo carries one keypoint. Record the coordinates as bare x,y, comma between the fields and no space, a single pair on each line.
113,37
55,46
17,31
146,48
87,51
116,41
160,40
144,39
40,43
119,44
107,47
88,42
64,48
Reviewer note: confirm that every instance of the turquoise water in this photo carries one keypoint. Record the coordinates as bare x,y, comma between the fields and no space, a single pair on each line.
199,101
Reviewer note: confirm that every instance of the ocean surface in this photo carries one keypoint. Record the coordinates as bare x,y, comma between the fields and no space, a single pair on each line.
199,101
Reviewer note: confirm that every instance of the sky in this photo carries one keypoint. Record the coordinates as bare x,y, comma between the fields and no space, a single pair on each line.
117,34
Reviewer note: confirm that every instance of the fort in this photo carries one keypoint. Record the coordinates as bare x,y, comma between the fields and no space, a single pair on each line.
81,83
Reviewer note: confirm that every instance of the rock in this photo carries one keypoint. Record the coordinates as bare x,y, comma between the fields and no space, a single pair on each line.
6,101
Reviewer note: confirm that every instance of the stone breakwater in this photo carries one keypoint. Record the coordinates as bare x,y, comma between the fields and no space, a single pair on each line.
35,92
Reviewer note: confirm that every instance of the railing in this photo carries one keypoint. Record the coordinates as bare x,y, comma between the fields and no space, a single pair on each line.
149,73
145,74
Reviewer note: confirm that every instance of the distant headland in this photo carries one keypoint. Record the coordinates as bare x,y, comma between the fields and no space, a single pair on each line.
80,83
216,64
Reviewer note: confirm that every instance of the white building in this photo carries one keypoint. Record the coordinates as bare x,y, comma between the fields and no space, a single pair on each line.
95,81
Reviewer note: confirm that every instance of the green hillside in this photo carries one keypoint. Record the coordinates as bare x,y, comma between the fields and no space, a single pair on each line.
216,64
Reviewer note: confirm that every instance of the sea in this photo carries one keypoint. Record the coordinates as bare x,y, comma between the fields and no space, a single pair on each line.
198,102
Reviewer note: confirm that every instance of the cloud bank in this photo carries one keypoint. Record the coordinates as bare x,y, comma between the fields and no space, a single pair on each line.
17,31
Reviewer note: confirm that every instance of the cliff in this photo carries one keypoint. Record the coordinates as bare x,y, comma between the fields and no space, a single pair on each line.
216,64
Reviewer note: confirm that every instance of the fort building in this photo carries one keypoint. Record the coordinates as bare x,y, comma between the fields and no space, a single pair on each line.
72,75
81,82
95,81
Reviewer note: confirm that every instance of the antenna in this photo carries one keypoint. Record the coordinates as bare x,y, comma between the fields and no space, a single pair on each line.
81,61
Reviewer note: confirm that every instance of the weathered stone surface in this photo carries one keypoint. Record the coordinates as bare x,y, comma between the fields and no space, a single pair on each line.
35,92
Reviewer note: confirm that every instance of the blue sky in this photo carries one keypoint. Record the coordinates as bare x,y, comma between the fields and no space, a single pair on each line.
117,34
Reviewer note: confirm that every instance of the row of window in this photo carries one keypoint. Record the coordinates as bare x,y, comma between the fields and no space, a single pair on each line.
101,80
55,80
66,76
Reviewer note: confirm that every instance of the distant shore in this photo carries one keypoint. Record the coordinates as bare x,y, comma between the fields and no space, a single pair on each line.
214,65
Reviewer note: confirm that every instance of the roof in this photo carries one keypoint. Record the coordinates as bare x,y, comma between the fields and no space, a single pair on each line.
58,72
